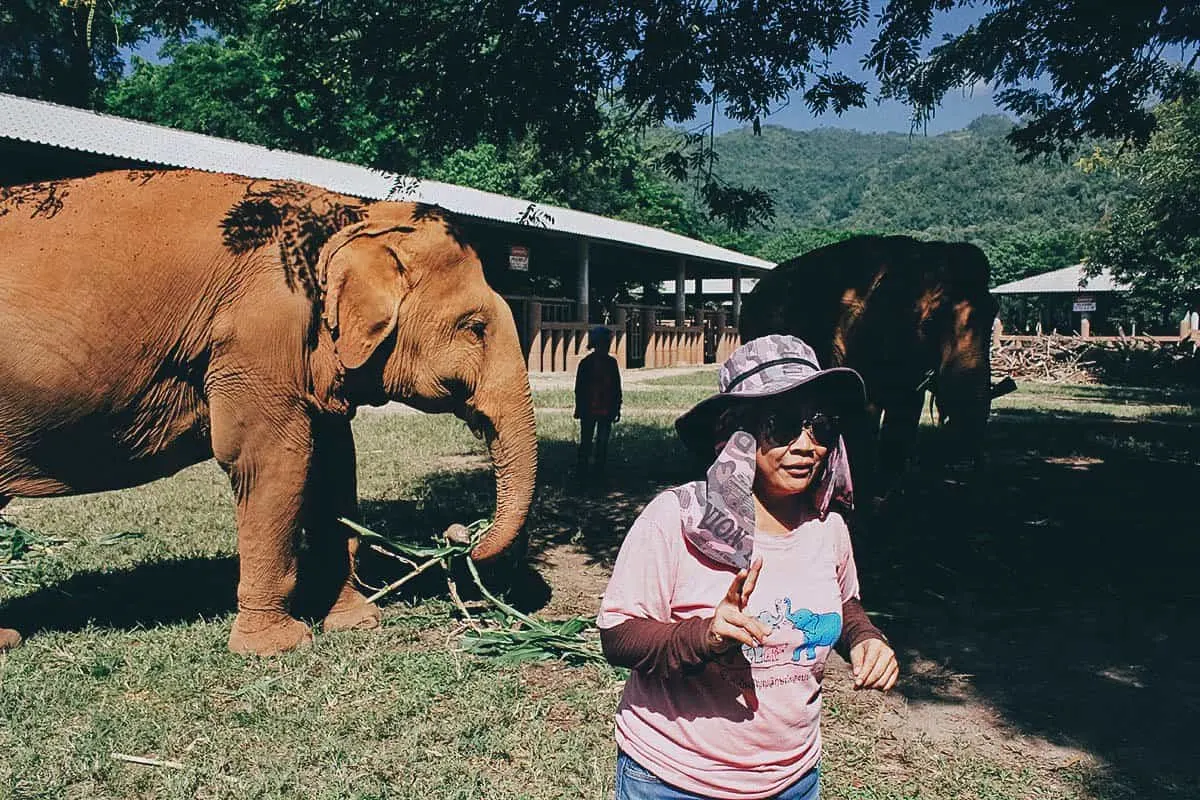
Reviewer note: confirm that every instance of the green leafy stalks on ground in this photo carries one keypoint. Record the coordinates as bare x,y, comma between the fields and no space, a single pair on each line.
19,548
502,632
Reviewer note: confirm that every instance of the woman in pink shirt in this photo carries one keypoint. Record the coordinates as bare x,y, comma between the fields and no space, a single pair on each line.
729,592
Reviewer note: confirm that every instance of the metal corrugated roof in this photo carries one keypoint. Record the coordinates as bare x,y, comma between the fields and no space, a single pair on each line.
1068,280
78,129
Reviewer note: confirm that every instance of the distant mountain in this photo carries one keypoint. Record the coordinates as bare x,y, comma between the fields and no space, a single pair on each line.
964,185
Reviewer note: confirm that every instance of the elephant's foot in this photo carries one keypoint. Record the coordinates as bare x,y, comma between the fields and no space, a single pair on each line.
9,638
352,612
267,633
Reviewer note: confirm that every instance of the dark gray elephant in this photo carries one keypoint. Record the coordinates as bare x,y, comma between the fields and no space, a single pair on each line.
907,315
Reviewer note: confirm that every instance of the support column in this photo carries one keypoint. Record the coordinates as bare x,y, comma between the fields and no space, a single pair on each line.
737,297
621,337
649,338
699,301
1085,324
680,300
584,296
533,359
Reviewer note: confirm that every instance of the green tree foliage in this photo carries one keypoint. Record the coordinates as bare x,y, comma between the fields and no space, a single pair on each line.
1016,254
1073,69
215,88
249,84
621,181
798,241
960,186
1152,237
45,52
68,51
402,85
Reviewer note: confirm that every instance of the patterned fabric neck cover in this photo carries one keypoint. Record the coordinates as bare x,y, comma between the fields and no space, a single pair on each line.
718,512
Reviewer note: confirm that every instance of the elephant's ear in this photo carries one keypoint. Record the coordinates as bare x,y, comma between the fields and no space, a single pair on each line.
364,282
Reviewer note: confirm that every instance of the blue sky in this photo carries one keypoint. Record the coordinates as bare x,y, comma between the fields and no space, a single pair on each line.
956,112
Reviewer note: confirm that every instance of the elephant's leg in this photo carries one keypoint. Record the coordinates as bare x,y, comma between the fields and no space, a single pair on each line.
327,566
861,437
898,435
267,455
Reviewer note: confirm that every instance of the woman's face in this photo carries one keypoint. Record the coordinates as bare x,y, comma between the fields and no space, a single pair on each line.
789,469
793,442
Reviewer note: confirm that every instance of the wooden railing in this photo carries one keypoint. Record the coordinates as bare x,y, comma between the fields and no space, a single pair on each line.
642,336
674,346
560,346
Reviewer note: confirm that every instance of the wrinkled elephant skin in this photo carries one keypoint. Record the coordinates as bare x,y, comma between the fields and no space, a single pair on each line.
154,319
907,315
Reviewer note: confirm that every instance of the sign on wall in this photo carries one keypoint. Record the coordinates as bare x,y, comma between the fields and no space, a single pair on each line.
518,258
1084,304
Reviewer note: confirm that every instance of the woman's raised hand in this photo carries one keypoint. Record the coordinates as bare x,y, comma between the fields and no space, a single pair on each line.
730,624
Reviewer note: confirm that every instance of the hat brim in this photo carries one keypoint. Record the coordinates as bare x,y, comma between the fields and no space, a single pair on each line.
841,386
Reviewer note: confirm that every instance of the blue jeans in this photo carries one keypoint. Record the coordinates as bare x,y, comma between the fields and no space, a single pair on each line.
635,782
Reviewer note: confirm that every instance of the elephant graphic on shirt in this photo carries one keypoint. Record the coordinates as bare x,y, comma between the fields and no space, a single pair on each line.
772,619
820,630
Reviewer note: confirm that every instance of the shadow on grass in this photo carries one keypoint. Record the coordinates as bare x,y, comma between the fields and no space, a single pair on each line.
1115,394
643,460
155,593
1061,578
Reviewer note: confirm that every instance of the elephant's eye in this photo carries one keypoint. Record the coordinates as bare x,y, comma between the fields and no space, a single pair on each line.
476,326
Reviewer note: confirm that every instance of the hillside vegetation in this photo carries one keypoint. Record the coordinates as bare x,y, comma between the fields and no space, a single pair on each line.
966,185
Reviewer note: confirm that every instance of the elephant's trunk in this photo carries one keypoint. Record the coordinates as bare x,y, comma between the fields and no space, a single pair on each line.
964,402
506,407
963,384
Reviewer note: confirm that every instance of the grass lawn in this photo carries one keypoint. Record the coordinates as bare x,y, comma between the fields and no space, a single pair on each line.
1044,612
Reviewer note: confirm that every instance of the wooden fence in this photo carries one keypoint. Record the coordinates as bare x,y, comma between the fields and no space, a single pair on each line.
553,339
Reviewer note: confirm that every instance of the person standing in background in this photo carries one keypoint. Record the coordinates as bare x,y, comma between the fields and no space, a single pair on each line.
597,401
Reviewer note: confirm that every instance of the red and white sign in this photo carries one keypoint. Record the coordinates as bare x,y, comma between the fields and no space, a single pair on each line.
518,258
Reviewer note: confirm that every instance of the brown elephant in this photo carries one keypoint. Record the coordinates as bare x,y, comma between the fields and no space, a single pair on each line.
155,319
907,315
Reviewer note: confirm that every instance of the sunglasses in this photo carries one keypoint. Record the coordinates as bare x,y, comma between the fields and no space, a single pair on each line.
782,428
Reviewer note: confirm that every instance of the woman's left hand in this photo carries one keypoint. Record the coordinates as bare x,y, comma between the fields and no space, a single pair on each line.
874,665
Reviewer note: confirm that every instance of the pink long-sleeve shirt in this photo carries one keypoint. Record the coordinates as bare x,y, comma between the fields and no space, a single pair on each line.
746,725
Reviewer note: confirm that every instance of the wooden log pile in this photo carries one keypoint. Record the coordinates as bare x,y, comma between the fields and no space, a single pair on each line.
1075,359
1048,359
